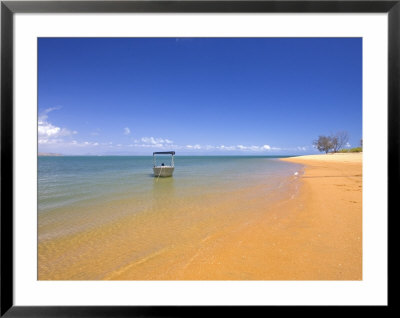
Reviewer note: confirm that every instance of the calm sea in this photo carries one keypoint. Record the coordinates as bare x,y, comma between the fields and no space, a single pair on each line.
83,180
102,217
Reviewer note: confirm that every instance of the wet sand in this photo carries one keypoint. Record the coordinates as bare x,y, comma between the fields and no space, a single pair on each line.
314,235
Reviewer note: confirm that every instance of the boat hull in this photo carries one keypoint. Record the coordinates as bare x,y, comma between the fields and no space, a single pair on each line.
163,171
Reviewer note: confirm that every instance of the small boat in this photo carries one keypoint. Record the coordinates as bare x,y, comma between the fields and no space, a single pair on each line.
163,170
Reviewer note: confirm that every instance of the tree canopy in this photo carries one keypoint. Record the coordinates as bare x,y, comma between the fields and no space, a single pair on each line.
332,143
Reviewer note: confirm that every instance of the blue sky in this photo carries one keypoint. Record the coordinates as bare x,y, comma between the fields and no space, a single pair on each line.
238,96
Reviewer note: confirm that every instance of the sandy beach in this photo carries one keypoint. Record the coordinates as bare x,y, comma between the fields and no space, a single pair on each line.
314,235
332,196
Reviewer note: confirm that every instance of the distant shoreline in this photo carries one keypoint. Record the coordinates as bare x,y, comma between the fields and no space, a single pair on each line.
339,157
49,154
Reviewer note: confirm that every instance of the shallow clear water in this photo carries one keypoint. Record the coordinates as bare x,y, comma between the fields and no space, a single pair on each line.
103,217
82,180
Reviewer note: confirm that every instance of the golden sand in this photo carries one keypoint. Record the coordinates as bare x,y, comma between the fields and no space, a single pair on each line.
332,193
316,235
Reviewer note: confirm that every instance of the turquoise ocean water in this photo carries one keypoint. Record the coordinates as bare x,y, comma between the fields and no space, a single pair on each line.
83,180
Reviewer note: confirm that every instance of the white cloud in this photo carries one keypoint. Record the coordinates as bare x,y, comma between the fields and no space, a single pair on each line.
152,142
46,141
195,147
81,144
51,137
245,148
348,145
43,116
48,130
149,140
49,133
228,148
155,141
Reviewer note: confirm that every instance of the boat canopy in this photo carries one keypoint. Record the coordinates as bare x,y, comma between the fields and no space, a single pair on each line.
164,153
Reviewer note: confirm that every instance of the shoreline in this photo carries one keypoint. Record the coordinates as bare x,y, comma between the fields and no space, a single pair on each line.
312,235
332,194
316,235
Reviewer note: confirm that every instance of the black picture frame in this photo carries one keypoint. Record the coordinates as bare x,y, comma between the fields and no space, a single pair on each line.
8,8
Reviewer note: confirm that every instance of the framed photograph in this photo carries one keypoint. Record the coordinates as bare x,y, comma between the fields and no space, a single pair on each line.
178,157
